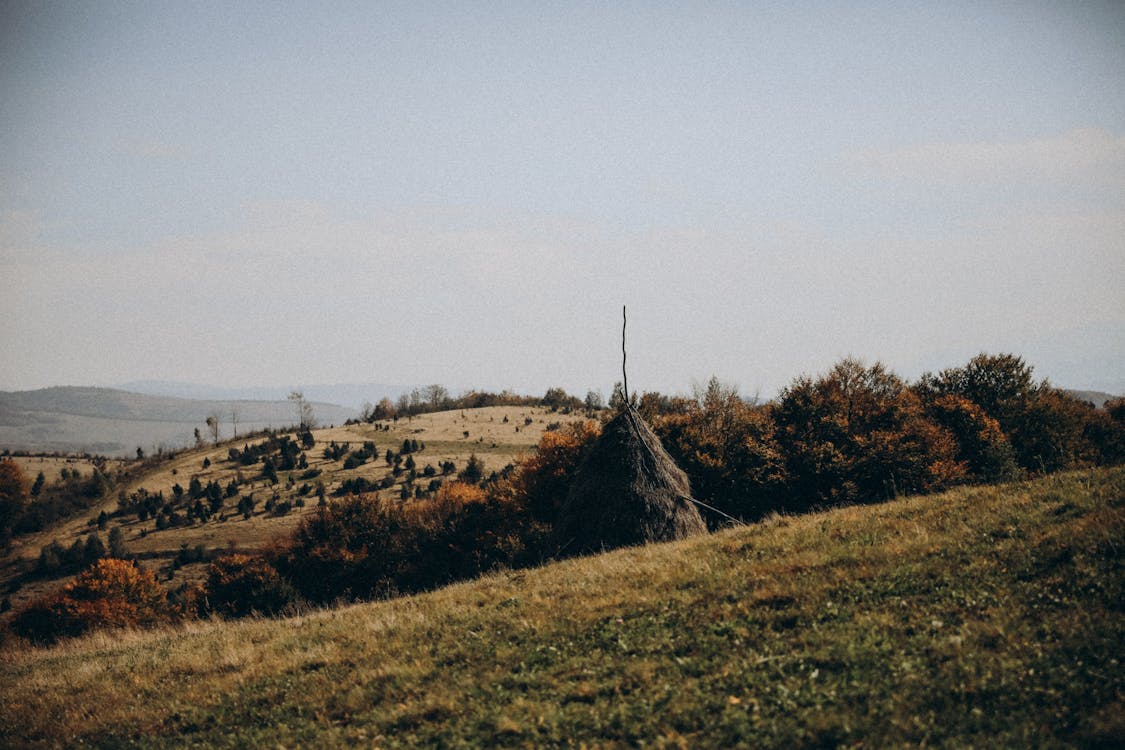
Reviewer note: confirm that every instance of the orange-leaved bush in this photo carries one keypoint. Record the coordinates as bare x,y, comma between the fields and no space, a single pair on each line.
543,478
110,593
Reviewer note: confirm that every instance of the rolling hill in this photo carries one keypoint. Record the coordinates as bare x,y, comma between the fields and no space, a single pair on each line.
495,435
113,422
987,617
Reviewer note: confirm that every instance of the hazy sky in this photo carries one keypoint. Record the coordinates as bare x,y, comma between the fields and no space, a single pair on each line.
466,193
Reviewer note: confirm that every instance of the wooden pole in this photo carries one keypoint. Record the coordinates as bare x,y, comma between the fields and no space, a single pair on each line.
624,375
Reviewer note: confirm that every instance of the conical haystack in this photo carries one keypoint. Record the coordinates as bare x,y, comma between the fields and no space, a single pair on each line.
627,491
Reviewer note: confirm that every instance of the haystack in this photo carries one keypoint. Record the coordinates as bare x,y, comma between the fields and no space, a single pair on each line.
627,491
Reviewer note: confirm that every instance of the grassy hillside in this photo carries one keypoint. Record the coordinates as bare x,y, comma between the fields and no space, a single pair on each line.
979,617
496,435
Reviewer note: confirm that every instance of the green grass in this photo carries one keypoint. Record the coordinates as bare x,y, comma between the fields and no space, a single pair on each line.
987,617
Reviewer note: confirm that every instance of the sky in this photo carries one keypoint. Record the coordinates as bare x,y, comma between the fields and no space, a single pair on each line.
248,194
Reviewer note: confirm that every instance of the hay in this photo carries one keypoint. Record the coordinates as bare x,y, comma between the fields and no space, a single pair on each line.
627,491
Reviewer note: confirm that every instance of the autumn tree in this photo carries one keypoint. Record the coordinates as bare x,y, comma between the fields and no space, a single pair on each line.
729,451
543,478
858,434
385,409
14,494
305,419
981,444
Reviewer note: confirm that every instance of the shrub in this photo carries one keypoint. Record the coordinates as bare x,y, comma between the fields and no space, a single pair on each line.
543,478
109,594
473,471
365,546
239,585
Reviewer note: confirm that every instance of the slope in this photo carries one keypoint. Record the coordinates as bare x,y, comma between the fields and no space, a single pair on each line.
985,616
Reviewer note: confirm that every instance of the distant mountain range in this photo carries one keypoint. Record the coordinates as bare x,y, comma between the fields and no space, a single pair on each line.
352,395
117,422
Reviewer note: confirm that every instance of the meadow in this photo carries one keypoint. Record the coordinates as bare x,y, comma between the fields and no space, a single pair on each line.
986,616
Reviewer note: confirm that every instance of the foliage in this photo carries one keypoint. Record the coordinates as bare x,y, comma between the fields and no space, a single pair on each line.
473,471
59,500
109,594
14,494
858,434
730,453
365,546
543,478
238,585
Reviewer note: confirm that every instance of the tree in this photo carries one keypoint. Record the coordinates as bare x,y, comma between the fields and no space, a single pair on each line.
436,396
555,398
213,426
305,418
13,497
239,585
858,434
594,401
617,398
385,409
729,450
117,543
40,480
94,549
982,445
234,414
473,471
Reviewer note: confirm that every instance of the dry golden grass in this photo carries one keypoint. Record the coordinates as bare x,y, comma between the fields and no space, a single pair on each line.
52,465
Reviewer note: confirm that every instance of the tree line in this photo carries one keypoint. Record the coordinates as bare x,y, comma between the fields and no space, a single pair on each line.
856,434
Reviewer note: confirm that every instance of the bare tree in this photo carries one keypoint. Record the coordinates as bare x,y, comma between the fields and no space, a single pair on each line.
213,426
234,420
304,410
435,395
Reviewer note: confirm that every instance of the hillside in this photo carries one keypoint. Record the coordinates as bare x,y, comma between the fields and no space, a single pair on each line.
978,617
495,435
113,422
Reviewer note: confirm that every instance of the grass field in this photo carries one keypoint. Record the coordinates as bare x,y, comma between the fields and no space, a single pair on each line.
987,617
52,465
